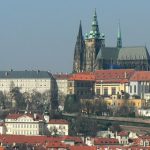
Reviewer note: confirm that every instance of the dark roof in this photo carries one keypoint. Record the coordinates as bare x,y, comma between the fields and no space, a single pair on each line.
132,53
108,53
25,74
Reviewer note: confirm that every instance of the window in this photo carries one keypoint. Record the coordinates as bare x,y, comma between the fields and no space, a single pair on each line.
130,89
134,88
113,91
105,91
98,91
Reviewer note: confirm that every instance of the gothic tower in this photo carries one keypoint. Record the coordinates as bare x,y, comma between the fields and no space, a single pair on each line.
93,42
119,38
78,63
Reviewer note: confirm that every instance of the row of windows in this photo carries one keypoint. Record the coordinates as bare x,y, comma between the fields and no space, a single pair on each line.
84,84
144,88
113,91
25,132
131,104
23,85
84,92
60,127
25,126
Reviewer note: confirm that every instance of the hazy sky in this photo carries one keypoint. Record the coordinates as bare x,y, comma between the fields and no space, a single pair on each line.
41,34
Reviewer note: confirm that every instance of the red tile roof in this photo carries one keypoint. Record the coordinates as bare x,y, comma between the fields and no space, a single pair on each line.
72,138
141,76
58,121
113,76
83,147
85,76
10,139
105,141
56,144
123,133
16,116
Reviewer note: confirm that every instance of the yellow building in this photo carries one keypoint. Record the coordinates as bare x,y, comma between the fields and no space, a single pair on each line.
115,102
112,82
135,103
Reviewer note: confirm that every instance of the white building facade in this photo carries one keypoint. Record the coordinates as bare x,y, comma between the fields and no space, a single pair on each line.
24,124
140,84
26,81
58,127
62,88
33,124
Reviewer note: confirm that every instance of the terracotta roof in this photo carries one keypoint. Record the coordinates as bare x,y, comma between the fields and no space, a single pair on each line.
144,137
56,144
61,76
10,139
141,76
16,116
58,121
115,75
111,147
85,76
72,138
105,141
2,148
123,133
81,147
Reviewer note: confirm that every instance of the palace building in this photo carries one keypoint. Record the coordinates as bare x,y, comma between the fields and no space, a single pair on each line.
91,53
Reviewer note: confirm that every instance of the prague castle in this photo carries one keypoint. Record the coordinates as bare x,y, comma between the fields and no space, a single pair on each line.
91,53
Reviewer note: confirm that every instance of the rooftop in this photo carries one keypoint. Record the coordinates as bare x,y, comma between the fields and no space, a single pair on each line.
85,76
16,116
58,121
141,76
24,74
115,75
61,76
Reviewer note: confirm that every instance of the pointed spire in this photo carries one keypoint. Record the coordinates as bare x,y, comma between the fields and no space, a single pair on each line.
79,51
94,33
119,38
80,31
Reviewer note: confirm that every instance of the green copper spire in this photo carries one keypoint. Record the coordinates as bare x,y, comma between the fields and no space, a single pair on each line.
94,33
119,39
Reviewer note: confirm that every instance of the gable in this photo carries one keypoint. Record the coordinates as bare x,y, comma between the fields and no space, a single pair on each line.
25,118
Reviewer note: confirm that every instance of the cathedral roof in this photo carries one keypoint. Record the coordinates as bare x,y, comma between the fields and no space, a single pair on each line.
125,53
132,53
108,53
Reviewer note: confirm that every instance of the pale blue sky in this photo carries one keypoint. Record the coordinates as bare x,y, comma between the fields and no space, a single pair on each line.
41,34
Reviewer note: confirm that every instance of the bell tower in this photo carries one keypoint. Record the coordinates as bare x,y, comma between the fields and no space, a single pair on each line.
93,42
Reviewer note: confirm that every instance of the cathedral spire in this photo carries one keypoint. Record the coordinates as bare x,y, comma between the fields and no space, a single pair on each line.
78,64
119,39
94,33
80,36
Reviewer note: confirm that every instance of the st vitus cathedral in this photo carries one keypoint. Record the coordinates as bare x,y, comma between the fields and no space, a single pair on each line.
91,53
